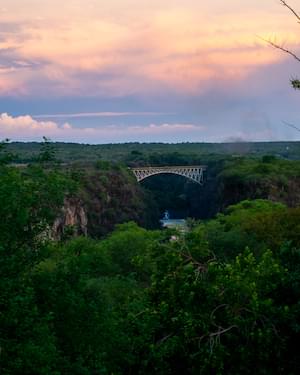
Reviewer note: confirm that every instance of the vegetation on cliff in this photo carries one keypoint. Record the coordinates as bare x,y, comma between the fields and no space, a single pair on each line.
267,177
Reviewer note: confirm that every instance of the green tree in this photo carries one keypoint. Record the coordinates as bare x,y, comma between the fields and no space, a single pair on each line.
29,200
5,157
47,152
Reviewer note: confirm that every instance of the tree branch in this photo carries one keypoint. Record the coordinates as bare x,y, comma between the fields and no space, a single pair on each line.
221,332
275,45
285,4
291,126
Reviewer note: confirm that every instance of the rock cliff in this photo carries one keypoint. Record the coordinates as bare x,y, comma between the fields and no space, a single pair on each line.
72,221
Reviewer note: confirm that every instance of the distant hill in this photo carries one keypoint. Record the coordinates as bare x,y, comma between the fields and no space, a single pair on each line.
131,152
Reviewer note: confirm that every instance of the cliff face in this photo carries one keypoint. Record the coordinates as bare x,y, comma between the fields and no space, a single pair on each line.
113,196
72,221
288,193
278,181
105,197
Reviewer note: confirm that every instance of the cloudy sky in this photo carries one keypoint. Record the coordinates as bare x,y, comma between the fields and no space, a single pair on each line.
98,71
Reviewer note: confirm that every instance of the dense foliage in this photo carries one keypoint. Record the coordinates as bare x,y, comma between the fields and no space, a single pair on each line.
222,298
267,177
155,153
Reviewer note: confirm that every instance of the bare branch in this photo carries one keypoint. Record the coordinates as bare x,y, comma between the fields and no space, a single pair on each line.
212,315
291,126
165,338
275,45
295,82
220,332
285,4
214,337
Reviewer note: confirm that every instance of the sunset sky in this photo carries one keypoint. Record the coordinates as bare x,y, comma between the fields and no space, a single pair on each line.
99,71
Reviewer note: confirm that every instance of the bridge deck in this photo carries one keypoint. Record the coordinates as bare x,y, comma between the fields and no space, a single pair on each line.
204,167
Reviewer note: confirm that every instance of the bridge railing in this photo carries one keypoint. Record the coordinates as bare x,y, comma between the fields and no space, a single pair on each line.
204,167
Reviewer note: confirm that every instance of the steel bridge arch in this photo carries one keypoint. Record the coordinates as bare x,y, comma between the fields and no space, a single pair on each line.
192,172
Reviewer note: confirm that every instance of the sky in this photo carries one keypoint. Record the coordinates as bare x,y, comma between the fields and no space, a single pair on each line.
98,71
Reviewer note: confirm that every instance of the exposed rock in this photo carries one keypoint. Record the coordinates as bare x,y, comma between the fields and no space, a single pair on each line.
73,219
287,193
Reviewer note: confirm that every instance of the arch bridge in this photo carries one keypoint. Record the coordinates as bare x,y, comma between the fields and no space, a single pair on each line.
192,172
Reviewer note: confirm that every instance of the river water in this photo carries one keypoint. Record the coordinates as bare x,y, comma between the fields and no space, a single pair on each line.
174,223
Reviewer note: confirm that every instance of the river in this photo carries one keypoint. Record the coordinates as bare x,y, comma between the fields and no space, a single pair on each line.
174,223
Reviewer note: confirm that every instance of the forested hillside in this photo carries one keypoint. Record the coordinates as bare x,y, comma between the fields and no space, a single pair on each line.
101,297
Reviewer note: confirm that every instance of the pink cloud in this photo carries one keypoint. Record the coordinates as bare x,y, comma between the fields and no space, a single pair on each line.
25,125
111,51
